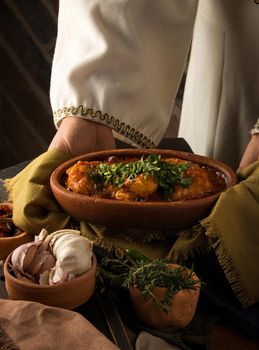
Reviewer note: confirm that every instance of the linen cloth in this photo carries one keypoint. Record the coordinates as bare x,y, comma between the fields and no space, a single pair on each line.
231,229
33,325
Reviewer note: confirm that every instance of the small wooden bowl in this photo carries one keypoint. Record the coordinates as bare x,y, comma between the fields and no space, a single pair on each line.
146,215
67,295
8,244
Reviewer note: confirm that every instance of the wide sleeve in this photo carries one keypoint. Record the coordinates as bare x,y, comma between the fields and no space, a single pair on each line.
120,63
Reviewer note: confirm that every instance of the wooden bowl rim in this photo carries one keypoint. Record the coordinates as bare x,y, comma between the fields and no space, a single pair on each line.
66,284
15,238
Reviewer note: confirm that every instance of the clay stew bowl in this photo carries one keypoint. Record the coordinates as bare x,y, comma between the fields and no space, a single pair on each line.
145,215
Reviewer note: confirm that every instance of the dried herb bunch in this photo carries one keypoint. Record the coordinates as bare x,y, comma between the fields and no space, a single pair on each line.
146,275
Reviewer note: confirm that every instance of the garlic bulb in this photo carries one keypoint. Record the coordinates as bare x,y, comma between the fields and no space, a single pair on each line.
54,258
73,255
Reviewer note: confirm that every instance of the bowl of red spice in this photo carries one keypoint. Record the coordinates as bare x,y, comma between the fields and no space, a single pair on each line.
11,236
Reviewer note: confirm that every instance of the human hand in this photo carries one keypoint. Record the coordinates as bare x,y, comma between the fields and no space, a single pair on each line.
78,136
251,153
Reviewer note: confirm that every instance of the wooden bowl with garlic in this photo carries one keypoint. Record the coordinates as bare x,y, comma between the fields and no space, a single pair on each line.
57,269
10,236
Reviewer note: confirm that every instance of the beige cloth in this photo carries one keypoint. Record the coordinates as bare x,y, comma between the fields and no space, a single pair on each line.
33,326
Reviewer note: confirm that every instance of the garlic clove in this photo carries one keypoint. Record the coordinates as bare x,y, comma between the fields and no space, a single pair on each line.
20,259
73,253
44,278
30,254
42,261
58,234
57,275
42,235
24,277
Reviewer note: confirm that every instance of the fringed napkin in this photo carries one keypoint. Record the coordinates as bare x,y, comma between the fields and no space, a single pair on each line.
188,243
153,244
6,342
34,206
233,231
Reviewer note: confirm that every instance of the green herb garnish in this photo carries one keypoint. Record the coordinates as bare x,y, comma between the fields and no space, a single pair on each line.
166,175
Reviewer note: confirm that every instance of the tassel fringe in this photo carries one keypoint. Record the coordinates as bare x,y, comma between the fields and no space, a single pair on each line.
189,243
8,185
231,273
6,342
226,263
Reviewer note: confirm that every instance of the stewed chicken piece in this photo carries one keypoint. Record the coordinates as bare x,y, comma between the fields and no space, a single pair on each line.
78,181
142,186
200,186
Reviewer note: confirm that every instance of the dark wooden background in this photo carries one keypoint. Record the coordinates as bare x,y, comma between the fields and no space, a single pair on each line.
27,39
28,31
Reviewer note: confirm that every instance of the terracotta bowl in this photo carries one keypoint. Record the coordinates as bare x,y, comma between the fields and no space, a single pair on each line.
8,244
183,306
147,215
67,295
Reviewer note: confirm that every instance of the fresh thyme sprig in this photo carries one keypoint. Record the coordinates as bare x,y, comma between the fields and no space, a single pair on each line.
166,175
148,274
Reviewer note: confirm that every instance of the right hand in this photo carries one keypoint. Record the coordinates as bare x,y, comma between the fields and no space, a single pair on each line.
78,136
251,153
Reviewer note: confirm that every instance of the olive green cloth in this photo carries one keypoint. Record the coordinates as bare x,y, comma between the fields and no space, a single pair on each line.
153,244
34,206
233,231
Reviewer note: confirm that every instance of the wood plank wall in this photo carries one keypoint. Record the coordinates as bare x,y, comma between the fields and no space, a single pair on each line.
27,39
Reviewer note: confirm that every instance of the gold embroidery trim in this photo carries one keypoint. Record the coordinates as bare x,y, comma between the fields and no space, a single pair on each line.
109,120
